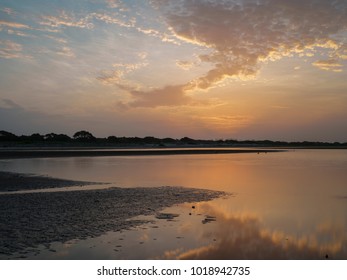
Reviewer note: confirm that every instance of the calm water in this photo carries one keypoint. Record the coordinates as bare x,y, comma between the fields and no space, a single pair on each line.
284,205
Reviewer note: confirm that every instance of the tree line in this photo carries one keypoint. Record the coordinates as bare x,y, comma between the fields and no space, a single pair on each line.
84,137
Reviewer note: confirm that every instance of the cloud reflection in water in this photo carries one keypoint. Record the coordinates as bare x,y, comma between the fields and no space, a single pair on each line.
245,237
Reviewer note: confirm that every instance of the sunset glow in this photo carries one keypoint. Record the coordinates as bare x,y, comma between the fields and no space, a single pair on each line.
242,69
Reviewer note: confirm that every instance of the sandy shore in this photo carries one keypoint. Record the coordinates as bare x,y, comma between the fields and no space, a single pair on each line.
32,219
45,153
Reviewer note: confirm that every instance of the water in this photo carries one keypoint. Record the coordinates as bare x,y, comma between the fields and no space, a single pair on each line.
284,205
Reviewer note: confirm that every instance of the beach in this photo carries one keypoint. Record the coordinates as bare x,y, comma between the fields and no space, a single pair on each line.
28,220
10,181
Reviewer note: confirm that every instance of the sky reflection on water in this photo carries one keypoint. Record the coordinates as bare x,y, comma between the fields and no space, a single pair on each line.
288,205
245,236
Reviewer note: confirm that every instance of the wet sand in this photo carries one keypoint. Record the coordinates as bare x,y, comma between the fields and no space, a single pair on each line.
32,219
10,181
48,153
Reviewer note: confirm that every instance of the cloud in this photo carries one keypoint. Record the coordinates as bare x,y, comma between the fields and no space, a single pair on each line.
245,237
60,48
19,33
8,11
142,55
164,37
8,103
9,49
185,65
329,65
242,34
14,24
226,122
161,97
117,4
12,28
167,96
57,39
148,31
341,52
113,77
113,20
114,3
66,20
130,67
65,51
117,75
118,18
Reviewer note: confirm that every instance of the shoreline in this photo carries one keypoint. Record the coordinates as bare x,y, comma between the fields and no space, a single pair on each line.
11,182
29,220
92,152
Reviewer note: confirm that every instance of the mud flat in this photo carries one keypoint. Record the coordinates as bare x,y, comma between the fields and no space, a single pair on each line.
28,220
10,181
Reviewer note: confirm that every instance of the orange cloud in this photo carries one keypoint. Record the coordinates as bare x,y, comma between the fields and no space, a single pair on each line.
225,121
243,34
329,65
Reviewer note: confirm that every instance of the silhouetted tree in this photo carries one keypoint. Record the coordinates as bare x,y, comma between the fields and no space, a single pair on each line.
83,135
7,136
36,137
50,136
57,137
151,140
112,139
169,140
188,140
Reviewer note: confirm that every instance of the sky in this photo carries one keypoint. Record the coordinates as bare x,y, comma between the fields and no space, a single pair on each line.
207,69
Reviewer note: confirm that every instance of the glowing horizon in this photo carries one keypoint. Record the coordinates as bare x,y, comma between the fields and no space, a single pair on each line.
239,69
